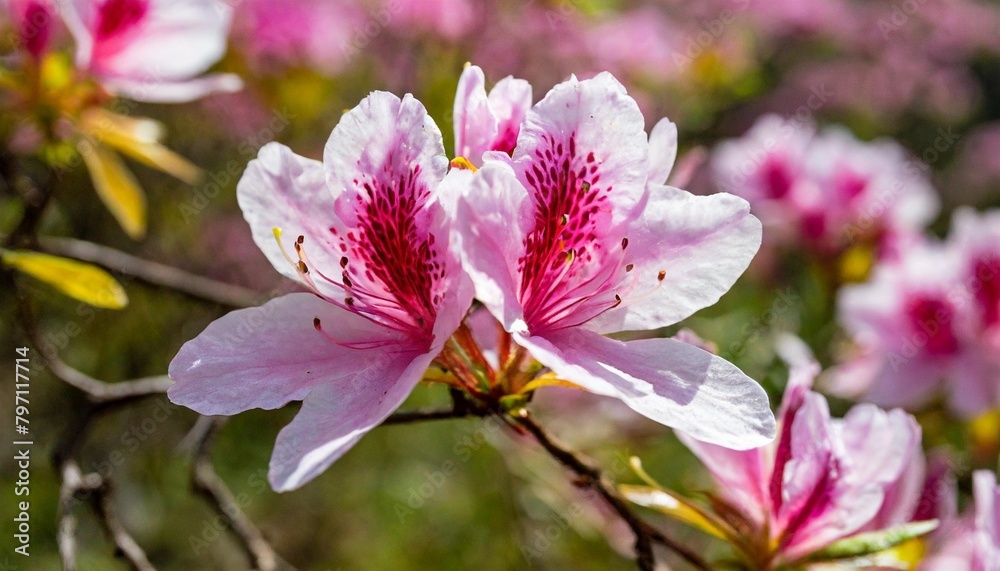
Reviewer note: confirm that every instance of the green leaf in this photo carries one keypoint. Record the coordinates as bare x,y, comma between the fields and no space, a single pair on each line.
78,280
873,542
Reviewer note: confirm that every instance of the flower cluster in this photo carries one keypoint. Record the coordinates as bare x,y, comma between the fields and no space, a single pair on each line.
827,189
928,323
564,234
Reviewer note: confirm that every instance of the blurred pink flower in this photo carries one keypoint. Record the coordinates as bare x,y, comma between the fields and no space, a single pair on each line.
276,34
822,479
973,545
371,242
828,189
488,122
34,22
929,323
152,50
574,236
450,19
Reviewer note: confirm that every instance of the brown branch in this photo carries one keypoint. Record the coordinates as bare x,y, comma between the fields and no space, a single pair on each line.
590,475
97,391
152,273
36,200
207,483
98,491
461,407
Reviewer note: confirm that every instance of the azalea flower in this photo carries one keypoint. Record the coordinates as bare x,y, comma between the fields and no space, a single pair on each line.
574,236
827,190
365,232
488,122
974,544
34,22
822,480
926,324
152,50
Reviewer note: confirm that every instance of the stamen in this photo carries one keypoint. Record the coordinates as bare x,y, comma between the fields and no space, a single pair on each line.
462,163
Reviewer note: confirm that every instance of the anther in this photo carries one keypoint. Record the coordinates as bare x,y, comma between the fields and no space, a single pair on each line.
303,267
343,262
624,243
629,267
662,274
316,324
301,239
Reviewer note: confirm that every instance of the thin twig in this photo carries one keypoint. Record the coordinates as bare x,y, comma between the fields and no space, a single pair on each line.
98,491
36,199
461,407
153,273
590,475
208,484
97,391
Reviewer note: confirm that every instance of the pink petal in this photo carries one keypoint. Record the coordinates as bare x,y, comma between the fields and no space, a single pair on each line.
884,448
384,138
175,40
490,222
666,380
740,474
662,151
475,124
280,189
264,357
335,416
987,495
154,91
820,503
580,118
510,100
702,243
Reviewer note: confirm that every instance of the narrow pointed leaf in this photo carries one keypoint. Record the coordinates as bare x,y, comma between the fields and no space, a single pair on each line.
669,504
874,542
78,280
117,188
139,139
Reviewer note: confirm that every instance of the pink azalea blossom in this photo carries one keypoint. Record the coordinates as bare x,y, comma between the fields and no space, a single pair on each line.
34,22
365,233
827,189
929,323
822,479
276,34
152,50
574,236
449,19
488,122
973,544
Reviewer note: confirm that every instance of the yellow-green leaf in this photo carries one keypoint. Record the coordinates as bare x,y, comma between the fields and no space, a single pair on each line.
673,506
78,280
139,139
117,188
874,542
546,380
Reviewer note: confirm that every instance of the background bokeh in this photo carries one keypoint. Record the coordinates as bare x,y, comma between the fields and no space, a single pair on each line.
464,494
